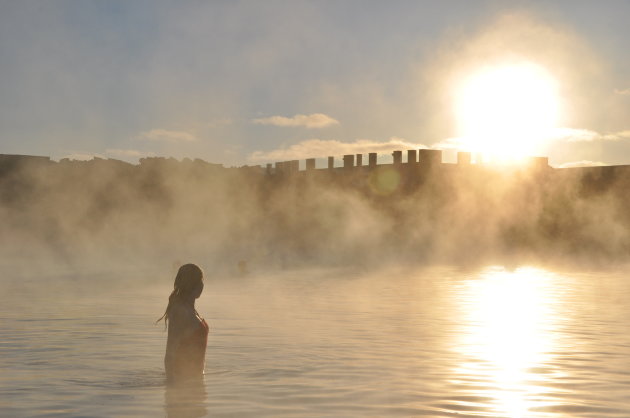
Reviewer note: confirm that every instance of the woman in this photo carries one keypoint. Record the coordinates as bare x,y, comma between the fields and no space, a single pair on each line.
187,331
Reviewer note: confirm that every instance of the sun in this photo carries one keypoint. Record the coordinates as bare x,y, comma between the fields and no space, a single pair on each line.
506,112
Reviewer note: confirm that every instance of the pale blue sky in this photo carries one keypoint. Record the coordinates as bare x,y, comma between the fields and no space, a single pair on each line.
123,79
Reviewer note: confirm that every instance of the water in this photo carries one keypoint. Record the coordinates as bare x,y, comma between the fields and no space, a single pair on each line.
433,342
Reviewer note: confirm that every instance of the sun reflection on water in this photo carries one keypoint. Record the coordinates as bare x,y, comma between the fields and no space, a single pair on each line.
508,335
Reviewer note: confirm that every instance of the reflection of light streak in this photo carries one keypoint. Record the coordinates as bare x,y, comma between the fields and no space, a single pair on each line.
509,321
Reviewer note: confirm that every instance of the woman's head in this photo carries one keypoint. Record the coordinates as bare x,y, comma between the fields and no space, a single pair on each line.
189,281
188,286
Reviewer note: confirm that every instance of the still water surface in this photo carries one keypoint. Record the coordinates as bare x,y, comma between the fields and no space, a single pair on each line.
523,342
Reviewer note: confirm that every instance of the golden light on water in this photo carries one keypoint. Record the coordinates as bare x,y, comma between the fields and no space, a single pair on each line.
509,320
507,112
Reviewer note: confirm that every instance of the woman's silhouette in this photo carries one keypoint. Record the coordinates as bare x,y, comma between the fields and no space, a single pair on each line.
187,330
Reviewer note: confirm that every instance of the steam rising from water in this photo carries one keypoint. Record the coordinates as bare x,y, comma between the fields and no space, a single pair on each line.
162,211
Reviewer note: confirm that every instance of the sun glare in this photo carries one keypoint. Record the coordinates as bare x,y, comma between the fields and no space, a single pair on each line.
506,112
508,333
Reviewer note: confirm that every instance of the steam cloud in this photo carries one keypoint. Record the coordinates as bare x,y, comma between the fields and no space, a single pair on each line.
163,211
579,135
168,136
127,153
315,120
81,156
583,163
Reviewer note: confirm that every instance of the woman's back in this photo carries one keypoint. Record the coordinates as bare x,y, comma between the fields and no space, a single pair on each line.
186,344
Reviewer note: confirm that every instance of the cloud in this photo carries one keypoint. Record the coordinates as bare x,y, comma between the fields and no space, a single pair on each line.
583,163
450,143
109,153
575,135
585,135
167,136
128,153
315,120
314,148
623,92
81,156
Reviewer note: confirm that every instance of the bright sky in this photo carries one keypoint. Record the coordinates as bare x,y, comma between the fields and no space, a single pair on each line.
244,82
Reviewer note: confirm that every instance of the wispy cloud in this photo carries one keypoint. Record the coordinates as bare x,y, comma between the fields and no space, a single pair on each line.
315,120
313,148
128,153
81,156
575,135
623,134
583,163
585,135
167,136
450,143
623,92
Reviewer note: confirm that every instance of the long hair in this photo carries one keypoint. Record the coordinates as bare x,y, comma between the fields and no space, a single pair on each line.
186,281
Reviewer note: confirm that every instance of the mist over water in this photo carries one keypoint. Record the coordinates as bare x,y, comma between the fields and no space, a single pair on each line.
436,341
106,212
449,291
